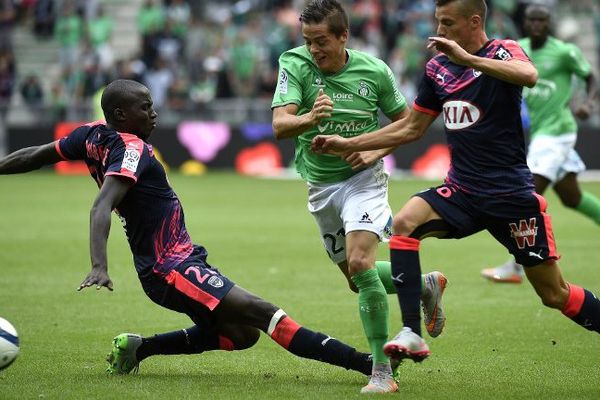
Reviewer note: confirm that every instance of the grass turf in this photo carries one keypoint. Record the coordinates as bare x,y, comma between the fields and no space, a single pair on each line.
499,341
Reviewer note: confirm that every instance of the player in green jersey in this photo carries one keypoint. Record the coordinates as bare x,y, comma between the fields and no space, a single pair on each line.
324,87
553,132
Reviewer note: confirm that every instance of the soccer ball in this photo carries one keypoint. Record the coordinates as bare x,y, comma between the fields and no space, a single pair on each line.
9,343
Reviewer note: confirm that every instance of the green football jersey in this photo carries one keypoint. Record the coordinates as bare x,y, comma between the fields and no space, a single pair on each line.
358,90
548,102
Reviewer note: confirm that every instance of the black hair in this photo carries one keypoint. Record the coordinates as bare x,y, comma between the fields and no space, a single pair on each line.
118,94
468,7
330,11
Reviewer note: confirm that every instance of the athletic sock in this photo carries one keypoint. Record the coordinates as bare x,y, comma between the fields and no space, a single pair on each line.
374,311
589,206
406,275
316,346
184,341
384,270
583,307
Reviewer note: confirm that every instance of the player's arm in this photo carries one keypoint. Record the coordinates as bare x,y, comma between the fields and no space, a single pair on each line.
287,124
29,159
517,72
111,193
362,159
390,136
584,110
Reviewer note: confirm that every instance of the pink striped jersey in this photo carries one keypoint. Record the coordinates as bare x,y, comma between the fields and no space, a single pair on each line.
151,213
482,120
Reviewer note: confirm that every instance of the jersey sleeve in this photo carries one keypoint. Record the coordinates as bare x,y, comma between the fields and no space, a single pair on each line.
427,101
576,61
390,101
510,50
128,159
288,89
72,146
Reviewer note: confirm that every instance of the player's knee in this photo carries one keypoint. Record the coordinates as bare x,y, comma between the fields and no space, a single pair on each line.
246,337
358,262
402,225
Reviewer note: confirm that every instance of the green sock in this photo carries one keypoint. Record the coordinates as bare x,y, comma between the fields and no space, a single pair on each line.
590,207
373,309
384,270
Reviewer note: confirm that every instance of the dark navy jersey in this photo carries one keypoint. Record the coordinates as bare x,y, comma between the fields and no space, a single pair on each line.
150,211
482,120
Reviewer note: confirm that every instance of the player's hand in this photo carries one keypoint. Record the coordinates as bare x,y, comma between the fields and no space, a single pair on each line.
455,53
329,144
584,111
99,277
360,159
322,108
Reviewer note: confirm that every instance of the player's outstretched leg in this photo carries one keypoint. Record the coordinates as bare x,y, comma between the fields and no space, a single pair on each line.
130,349
509,272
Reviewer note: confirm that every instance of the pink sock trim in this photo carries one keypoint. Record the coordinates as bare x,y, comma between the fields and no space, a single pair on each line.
575,301
398,242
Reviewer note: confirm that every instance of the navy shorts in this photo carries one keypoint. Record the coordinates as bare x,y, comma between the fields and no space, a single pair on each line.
518,221
193,287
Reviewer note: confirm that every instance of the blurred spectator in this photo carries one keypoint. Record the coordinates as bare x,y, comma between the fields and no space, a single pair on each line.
68,32
99,30
178,94
158,79
179,14
501,26
150,21
58,101
32,92
8,15
243,63
44,17
409,55
130,69
92,76
169,46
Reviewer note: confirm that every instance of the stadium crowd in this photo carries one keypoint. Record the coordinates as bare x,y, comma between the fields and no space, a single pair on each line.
191,52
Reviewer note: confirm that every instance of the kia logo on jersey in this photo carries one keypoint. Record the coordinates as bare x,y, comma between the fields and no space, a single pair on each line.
460,114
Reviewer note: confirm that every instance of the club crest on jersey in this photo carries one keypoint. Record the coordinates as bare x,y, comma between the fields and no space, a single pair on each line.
363,89
131,158
459,114
524,233
282,84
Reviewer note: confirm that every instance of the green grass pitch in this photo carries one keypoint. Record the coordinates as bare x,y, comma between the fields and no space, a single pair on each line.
499,341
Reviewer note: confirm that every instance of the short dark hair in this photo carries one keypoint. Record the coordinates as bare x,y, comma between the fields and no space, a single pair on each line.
330,11
540,8
468,7
118,94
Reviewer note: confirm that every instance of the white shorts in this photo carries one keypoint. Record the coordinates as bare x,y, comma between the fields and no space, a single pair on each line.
554,156
359,203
